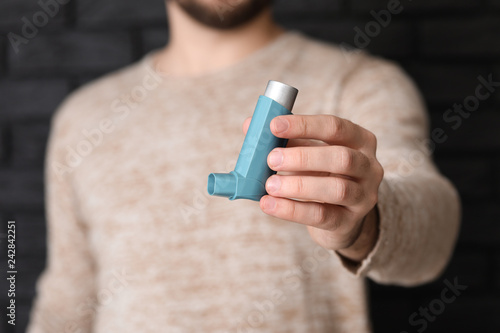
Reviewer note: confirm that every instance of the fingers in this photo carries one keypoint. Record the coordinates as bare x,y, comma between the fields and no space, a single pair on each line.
305,143
318,215
333,159
332,190
330,129
291,143
246,124
327,128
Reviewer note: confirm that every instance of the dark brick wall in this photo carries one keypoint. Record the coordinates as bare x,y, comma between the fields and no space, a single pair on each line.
444,44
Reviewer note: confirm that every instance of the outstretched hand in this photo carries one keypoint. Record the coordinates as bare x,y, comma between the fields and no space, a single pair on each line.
328,180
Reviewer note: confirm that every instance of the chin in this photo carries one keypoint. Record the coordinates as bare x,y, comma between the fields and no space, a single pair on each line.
223,14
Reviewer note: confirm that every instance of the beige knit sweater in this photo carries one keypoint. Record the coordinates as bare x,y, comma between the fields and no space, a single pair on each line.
137,245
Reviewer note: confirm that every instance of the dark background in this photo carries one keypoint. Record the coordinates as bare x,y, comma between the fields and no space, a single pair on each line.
444,44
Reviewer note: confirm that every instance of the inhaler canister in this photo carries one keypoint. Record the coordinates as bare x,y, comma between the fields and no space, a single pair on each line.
248,179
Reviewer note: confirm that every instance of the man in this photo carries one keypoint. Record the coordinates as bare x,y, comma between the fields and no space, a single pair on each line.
135,244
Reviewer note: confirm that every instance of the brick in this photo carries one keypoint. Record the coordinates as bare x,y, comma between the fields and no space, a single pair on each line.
470,266
473,134
3,237
13,11
120,12
303,8
21,189
72,53
432,6
154,39
472,177
22,316
384,292
457,316
3,48
476,37
28,144
497,177
4,326
446,84
395,41
389,315
29,265
28,99
82,80
497,271
496,75
391,41
480,225
31,242
25,282
3,145
30,256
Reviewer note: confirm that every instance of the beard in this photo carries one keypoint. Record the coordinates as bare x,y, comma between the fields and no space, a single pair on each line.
223,14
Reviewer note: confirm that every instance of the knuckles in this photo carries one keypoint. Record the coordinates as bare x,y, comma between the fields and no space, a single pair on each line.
301,158
301,126
296,158
378,171
346,158
300,186
341,190
323,220
336,126
372,199
348,192
357,194
371,140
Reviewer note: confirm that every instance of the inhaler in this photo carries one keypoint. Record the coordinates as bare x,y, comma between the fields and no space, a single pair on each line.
249,177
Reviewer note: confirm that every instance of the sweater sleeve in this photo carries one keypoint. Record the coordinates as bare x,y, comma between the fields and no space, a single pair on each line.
65,290
419,209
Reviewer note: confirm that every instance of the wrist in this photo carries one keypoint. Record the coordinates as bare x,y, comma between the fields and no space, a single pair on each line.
366,240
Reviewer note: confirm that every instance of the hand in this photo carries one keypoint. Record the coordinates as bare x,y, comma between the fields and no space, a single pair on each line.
330,170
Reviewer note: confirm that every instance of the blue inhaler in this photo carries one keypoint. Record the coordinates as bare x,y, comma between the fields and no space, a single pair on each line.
248,179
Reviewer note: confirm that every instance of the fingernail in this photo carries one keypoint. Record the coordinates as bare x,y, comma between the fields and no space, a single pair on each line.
269,203
280,125
273,184
275,158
